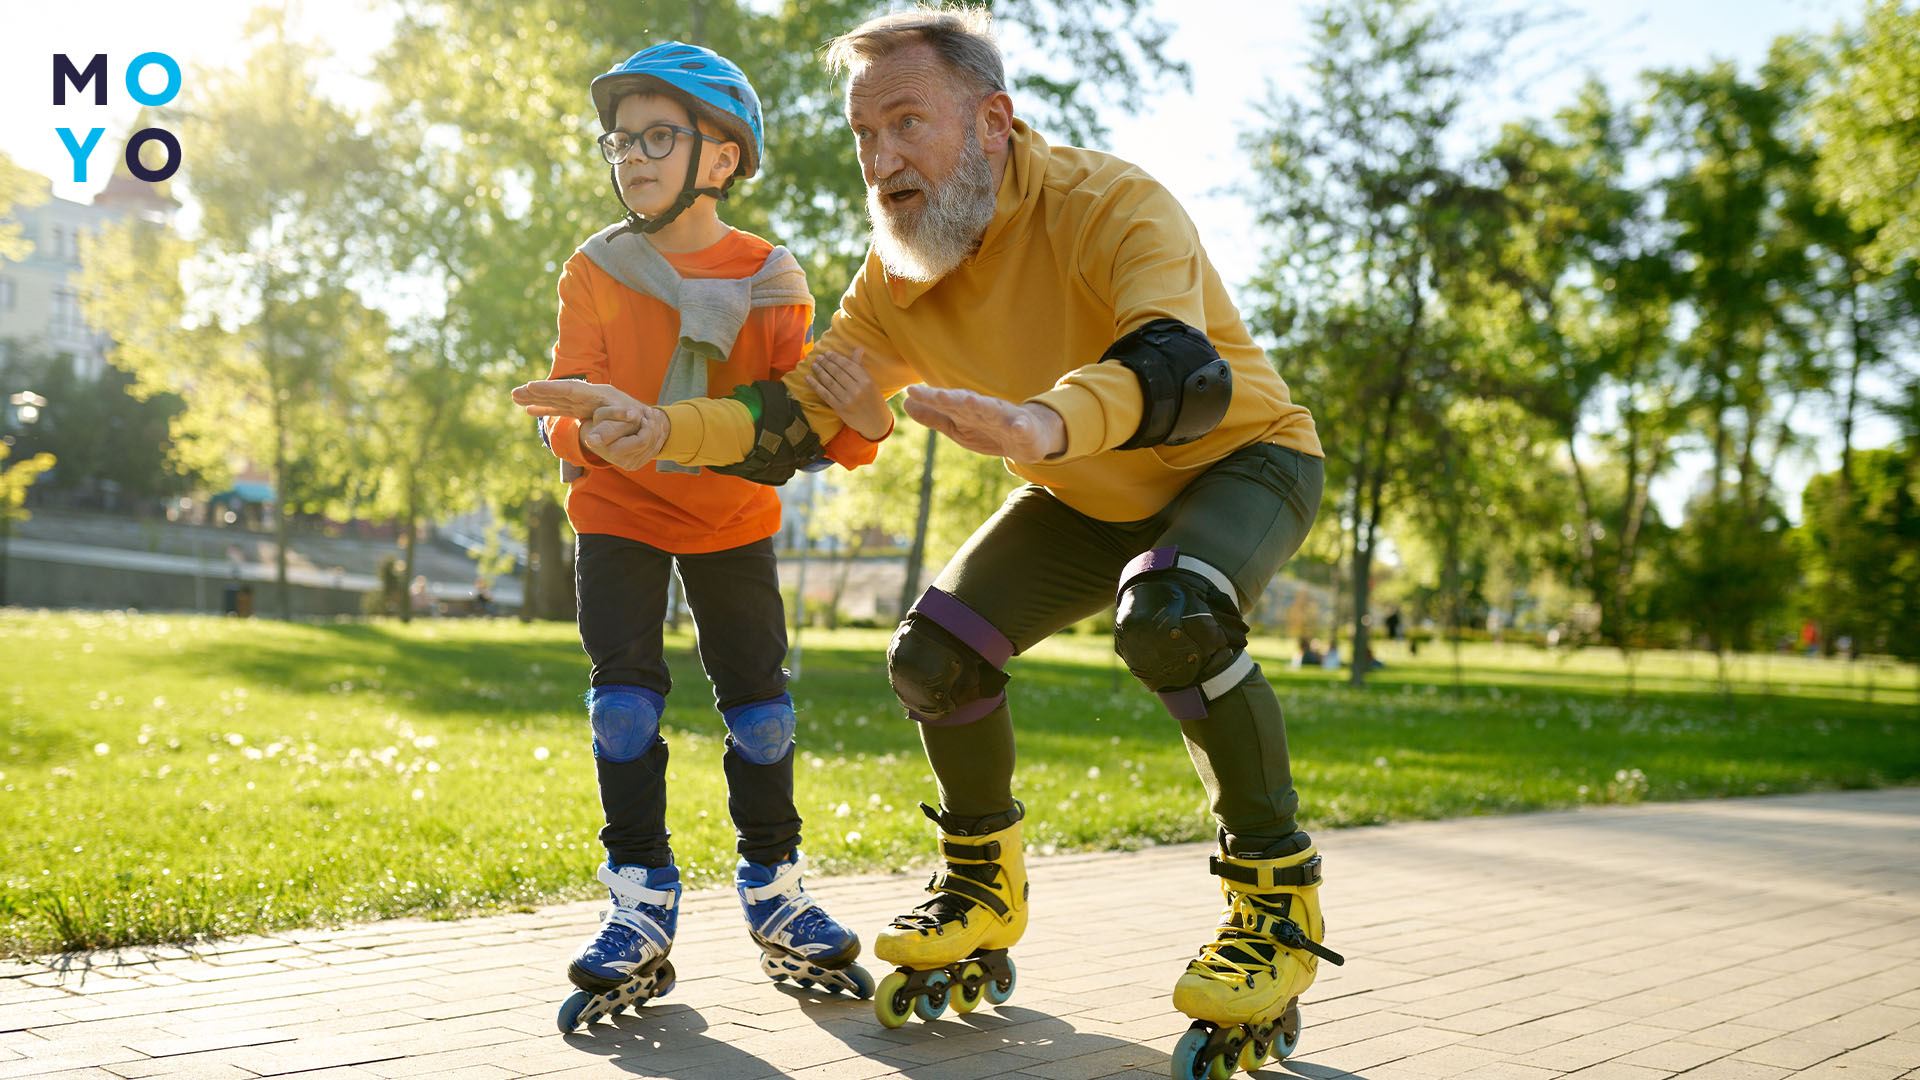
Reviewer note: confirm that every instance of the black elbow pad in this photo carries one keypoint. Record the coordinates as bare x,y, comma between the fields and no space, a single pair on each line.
1185,385
783,443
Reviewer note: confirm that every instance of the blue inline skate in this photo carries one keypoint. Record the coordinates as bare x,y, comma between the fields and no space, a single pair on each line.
626,962
797,938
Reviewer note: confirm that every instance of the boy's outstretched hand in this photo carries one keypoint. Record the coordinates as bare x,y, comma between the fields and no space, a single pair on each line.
843,383
1022,433
624,431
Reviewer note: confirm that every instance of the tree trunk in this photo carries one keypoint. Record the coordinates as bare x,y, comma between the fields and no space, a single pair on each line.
1853,389
549,590
1583,500
1367,529
847,560
1451,587
1360,559
409,523
283,598
910,590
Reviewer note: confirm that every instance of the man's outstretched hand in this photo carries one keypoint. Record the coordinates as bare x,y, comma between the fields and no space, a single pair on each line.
987,425
624,431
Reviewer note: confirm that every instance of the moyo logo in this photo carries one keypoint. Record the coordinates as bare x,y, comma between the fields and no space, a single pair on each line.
66,74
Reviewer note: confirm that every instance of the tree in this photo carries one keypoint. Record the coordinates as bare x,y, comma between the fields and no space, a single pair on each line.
19,190
1863,550
1734,193
1870,158
108,442
1574,295
1370,212
276,171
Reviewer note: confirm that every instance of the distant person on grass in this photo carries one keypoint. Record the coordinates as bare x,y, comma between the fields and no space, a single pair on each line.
670,304
1053,306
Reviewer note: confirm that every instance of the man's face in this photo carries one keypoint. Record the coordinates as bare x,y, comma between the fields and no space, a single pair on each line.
649,186
929,185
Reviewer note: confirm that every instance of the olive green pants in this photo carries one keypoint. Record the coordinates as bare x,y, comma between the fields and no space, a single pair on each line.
1038,566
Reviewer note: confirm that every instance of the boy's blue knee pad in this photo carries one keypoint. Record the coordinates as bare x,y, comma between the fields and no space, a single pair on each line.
626,720
762,731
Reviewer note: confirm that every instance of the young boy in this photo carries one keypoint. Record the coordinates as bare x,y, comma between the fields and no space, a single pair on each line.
669,304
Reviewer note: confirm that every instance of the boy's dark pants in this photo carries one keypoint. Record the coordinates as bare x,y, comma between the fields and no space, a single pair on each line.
1038,566
621,588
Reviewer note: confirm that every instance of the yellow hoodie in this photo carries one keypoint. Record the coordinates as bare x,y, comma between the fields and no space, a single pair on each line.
1083,248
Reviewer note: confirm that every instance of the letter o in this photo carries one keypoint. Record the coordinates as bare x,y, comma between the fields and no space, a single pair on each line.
164,138
140,64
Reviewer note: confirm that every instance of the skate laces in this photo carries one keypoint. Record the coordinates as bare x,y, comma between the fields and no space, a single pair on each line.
812,923
1251,935
953,899
928,917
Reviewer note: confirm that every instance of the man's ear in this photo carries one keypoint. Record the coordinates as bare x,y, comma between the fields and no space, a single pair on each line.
994,121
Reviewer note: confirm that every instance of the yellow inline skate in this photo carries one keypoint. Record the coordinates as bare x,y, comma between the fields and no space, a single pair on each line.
954,946
1243,989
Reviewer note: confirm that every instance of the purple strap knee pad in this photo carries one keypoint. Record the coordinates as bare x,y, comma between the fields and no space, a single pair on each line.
976,633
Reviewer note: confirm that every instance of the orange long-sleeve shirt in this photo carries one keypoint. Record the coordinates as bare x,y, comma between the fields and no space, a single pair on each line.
612,334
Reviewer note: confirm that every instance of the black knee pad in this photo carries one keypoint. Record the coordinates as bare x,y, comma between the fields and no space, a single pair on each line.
1179,631
945,662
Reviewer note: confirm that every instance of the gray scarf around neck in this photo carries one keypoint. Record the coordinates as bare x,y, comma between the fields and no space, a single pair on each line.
712,310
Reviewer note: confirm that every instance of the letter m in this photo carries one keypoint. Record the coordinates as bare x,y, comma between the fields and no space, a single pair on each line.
64,73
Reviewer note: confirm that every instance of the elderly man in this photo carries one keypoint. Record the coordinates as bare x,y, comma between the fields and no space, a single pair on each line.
1053,306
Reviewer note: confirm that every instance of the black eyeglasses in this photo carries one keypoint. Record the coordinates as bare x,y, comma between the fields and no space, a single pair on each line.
655,142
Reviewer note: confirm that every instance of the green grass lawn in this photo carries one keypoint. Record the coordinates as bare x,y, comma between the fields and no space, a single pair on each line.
171,777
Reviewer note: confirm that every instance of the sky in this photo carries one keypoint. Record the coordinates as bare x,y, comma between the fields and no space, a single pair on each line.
1238,50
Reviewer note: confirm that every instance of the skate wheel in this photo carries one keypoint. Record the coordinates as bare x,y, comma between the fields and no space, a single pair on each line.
1190,1055
862,987
1221,1068
1286,1038
969,988
890,1003
570,1010
931,1004
1253,1054
998,992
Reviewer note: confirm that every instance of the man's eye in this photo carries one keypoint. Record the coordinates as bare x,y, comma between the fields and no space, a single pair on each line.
909,122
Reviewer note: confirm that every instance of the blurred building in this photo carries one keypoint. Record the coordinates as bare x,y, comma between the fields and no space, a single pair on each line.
39,296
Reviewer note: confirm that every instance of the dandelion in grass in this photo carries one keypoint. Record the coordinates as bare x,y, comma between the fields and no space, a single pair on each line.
541,753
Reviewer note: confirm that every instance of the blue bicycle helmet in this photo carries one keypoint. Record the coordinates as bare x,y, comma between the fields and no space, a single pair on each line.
714,84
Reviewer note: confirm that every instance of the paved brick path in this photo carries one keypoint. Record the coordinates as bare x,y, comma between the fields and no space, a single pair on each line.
1743,938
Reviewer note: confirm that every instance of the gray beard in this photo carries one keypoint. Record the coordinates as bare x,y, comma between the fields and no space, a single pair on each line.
930,244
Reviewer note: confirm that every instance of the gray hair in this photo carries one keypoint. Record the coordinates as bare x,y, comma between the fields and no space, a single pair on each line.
962,37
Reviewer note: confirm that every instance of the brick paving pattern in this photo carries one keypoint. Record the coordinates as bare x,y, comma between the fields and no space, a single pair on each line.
1746,938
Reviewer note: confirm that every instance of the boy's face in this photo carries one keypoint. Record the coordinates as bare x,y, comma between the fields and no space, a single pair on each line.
649,186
